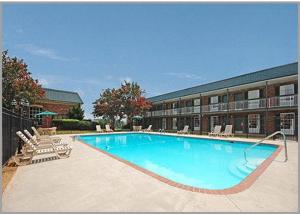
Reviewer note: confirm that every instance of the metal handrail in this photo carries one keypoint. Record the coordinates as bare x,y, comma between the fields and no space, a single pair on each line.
259,142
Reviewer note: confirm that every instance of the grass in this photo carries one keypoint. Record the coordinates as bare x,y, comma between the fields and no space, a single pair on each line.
84,131
75,131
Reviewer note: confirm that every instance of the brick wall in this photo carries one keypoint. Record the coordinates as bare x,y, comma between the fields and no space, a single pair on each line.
59,108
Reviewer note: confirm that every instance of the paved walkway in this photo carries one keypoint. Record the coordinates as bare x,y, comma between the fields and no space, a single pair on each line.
92,181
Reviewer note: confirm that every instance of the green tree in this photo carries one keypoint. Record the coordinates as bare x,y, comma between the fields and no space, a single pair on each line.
76,112
17,82
128,99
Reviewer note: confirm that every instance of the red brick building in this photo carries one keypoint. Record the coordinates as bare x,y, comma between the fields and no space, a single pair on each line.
57,101
257,103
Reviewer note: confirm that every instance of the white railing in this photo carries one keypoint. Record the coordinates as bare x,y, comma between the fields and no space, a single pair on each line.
186,110
247,104
215,107
197,109
148,114
157,113
283,101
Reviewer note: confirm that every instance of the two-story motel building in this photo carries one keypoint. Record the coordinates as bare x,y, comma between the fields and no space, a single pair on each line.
257,103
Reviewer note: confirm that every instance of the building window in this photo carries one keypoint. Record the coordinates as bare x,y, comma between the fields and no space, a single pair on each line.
254,94
287,123
214,121
174,125
164,123
214,103
254,123
214,99
36,110
196,123
196,102
286,90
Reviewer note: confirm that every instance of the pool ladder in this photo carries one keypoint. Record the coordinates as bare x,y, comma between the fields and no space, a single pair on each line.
266,138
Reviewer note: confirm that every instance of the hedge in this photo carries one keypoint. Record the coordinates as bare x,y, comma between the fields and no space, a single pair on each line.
74,124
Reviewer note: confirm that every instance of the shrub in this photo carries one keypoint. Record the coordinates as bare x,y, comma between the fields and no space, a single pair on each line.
74,124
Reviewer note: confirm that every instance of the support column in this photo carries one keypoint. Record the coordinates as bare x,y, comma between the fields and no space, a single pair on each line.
266,111
200,114
227,115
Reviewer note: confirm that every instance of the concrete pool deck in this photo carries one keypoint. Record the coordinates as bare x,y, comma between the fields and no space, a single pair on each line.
92,181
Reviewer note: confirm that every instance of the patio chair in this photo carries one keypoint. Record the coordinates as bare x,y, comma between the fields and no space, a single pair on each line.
98,128
216,131
29,151
43,137
37,142
107,128
184,130
227,132
149,129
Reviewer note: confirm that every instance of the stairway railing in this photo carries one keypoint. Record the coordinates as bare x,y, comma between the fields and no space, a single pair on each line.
266,138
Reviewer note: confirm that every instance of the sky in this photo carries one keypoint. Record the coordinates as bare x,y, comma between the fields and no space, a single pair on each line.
163,47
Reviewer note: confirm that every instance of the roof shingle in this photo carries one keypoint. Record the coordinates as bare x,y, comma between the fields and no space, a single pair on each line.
64,96
262,75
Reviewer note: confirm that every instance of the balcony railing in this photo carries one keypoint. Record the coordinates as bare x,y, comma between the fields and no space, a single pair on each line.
273,102
217,107
186,110
197,109
247,104
283,101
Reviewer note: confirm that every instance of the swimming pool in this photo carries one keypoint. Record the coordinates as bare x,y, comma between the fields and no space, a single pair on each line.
197,162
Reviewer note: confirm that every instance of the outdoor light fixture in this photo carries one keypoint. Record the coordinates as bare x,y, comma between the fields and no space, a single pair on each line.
14,102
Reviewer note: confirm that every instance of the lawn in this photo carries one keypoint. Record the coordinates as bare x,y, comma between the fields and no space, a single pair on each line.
75,131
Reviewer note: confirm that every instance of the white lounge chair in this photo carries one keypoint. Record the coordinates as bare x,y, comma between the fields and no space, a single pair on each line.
108,129
98,128
227,132
43,137
37,142
149,129
216,131
184,130
29,151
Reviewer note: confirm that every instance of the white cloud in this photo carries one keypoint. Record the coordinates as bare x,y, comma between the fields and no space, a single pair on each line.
42,52
184,75
127,79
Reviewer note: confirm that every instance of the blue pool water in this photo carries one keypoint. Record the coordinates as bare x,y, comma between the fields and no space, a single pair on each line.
203,163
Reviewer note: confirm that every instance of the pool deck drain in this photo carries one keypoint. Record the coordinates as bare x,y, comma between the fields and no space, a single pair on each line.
92,181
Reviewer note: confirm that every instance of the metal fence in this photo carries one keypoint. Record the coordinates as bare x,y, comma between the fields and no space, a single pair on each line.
11,123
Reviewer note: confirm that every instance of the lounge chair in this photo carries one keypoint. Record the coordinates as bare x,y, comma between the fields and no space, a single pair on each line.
227,132
29,151
37,142
44,137
216,131
108,129
184,130
98,128
149,129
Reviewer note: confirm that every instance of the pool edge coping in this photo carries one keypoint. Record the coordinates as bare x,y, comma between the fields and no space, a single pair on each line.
243,185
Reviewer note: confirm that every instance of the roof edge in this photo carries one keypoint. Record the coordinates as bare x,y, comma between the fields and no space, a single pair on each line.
223,80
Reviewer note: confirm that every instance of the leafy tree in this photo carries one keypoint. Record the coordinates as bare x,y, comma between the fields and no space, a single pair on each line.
128,99
17,82
76,112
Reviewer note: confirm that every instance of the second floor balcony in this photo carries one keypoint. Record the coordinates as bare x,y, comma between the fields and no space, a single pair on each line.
283,101
247,104
243,105
216,107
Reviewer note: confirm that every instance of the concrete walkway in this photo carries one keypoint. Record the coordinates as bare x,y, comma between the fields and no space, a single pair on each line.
92,181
